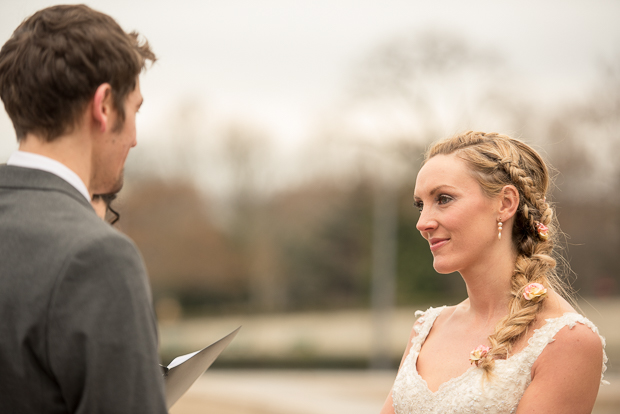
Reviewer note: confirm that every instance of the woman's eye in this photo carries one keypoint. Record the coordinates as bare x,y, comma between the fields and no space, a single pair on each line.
444,199
418,205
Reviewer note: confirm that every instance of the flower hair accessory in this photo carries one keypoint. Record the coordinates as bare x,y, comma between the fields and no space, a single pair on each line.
477,354
543,231
535,292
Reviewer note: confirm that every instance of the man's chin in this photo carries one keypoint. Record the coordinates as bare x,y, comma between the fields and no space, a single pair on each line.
118,186
111,189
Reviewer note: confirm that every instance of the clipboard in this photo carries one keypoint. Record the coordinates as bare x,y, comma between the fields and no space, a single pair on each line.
184,370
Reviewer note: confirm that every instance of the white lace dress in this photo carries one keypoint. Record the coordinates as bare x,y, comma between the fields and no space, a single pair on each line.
467,393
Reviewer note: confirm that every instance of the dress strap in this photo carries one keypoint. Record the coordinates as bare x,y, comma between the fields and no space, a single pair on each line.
546,334
424,324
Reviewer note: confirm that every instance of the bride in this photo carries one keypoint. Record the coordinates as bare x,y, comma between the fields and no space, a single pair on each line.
515,345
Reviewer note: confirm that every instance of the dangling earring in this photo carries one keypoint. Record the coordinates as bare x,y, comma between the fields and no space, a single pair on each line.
499,229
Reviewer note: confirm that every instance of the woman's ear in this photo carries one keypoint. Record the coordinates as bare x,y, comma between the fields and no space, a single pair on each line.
508,202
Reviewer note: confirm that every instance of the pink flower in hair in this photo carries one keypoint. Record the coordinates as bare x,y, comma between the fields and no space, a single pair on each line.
543,231
477,354
535,292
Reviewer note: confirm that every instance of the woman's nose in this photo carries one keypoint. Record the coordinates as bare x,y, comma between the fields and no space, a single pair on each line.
426,222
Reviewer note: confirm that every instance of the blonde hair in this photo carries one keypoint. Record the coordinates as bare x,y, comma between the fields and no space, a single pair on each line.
496,161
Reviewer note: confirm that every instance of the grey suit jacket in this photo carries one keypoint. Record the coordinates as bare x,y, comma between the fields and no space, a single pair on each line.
77,329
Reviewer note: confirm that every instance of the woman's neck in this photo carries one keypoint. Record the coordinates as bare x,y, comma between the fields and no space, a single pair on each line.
489,287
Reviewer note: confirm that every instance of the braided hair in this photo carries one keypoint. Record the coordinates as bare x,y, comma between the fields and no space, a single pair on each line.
496,161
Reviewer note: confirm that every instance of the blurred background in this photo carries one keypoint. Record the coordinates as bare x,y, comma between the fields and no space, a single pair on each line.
278,148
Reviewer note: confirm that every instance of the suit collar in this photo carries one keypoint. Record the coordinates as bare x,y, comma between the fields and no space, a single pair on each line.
28,178
43,163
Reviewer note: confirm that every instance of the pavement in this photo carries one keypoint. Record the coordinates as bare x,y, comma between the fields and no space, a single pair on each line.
312,392
343,335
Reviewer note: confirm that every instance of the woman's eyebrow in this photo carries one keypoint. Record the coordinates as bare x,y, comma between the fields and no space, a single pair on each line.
435,189
439,187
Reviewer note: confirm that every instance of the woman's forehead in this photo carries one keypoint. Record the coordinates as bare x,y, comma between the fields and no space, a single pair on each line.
443,170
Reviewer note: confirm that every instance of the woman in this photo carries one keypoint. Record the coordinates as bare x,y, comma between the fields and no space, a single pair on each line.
515,345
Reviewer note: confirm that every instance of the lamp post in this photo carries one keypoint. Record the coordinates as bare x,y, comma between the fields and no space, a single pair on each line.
383,285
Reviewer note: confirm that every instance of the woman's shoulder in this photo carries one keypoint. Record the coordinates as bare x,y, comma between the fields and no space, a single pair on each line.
572,332
576,346
555,307
562,323
568,360
577,334
568,339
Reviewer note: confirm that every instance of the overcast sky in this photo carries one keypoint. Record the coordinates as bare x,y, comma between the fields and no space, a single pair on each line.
282,62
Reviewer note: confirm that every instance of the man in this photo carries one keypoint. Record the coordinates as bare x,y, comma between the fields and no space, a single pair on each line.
78,334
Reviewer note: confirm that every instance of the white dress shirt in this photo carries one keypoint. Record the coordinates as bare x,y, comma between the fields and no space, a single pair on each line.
40,162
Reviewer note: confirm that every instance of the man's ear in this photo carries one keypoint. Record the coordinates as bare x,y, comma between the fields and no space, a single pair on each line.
102,106
508,202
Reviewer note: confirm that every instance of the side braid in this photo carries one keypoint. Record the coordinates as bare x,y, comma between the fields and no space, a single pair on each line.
498,160
533,265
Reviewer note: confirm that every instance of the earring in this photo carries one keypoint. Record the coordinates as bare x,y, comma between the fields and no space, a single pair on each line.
499,229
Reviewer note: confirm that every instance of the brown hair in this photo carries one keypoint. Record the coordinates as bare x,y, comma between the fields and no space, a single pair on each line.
496,161
55,61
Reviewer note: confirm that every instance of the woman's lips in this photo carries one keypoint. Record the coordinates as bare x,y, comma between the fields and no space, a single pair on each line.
437,243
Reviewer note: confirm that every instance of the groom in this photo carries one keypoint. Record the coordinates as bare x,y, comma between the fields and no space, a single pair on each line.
78,334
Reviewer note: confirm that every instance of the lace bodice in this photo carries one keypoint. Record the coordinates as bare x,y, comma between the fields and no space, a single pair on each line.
467,393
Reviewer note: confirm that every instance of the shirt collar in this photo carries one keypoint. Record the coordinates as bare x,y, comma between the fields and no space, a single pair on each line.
43,163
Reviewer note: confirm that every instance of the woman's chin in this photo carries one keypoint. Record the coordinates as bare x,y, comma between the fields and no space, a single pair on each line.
442,267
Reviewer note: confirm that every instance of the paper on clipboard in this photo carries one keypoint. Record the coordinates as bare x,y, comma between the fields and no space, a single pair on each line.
183,371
